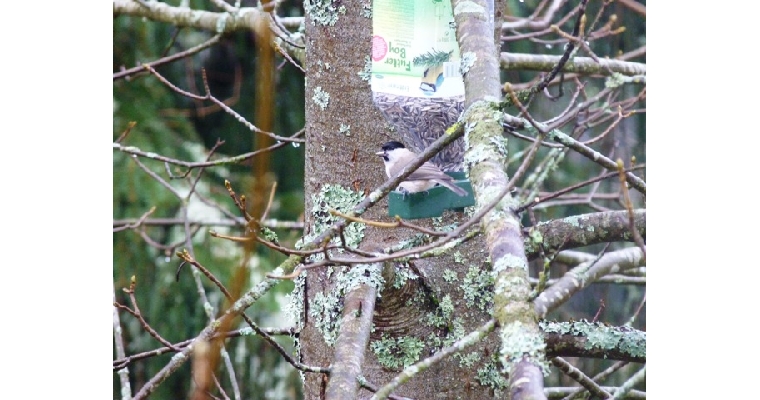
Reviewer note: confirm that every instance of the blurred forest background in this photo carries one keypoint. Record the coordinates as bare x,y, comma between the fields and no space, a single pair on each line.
174,126
180,128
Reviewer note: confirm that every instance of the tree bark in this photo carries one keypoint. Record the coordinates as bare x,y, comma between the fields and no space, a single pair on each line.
411,311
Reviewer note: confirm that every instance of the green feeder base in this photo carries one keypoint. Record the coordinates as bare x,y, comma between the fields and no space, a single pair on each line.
433,202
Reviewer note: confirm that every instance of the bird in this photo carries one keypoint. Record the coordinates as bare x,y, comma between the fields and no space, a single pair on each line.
396,156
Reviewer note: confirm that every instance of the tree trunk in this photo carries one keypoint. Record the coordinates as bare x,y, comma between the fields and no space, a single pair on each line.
451,295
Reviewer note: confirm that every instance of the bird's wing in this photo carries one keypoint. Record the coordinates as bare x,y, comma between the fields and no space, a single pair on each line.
428,171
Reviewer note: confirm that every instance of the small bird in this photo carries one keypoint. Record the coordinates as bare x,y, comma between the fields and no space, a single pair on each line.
396,157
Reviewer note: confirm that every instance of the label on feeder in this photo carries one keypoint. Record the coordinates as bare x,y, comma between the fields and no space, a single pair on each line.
414,49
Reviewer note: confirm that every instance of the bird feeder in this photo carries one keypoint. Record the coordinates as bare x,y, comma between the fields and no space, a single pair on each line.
418,87
433,202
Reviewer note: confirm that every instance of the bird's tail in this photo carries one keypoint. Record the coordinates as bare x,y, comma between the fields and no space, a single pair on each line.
453,187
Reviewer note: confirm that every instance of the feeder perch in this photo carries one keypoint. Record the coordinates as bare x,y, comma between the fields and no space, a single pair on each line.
433,202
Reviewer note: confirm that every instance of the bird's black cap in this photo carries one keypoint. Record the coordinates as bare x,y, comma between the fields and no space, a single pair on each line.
392,145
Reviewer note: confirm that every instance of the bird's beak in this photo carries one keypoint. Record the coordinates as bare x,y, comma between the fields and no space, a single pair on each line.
380,153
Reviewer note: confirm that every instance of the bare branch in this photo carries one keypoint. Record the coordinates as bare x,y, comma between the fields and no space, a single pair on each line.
627,386
533,22
629,208
135,312
126,388
570,188
580,65
188,164
137,223
582,275
578,27
351,344
269,223
580,377
635,6
556,393
218,22
166,60
595,340
124,361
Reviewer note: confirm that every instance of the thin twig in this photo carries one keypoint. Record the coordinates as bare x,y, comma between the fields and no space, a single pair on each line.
598,311
296,364
398,223
157,178
373,388
628,385
568,49
220,388
124,134
241,119
137,223
580,377
137,314
126,389
571,188
598,378
269,203
619,279
239,201
166,60
124,361
187,258
430,250
638,309
629,206
167,248
188,164
285,54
